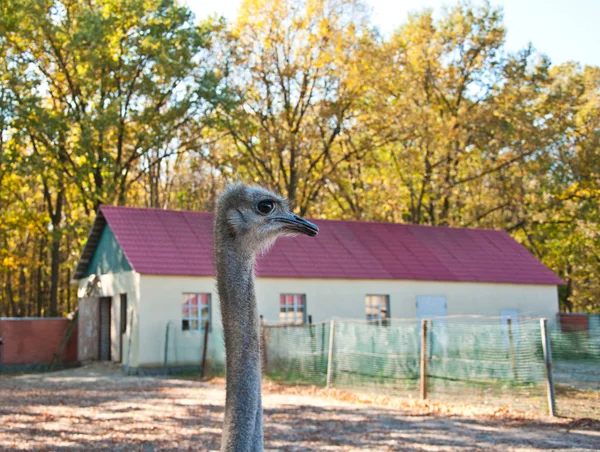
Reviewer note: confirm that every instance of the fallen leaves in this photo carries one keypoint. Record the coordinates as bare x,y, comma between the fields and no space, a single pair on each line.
100,409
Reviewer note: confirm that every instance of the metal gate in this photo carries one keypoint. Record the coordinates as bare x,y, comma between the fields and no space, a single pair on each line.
104,335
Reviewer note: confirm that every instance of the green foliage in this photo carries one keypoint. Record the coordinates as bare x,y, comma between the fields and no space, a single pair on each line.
135,103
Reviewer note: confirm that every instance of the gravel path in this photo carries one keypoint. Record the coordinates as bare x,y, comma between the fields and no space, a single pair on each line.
97,408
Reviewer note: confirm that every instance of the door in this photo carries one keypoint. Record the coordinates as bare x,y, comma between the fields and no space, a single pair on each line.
123,329
104,336
429,306
435,307
87,329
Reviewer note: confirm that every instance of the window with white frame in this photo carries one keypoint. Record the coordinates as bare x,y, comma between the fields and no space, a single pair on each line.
377,308
292,309
195,311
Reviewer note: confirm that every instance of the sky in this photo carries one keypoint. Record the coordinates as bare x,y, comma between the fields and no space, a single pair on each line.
564,30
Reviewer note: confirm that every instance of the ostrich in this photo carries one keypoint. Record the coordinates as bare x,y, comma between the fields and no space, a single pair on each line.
247,221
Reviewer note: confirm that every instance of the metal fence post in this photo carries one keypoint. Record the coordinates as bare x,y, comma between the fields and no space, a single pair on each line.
330,356
130,334
424,359
548,361
511,349
166,344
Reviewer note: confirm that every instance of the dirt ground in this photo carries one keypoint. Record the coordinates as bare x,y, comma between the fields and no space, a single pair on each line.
97,408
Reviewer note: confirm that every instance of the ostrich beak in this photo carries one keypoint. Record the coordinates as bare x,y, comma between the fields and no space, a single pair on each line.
294,223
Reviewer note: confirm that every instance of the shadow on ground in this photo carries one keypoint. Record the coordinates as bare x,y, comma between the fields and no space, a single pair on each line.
98,408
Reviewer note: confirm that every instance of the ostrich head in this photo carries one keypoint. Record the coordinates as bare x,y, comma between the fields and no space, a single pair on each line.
256,217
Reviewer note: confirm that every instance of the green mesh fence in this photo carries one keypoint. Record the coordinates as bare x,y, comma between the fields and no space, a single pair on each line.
577,355
487,360
473,360
296,354
374,357
576,367
183,350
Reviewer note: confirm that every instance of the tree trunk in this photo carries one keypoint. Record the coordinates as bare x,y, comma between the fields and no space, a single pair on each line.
22,292
568,304
55,270
31,286
68,289
40,274
55,259
9,295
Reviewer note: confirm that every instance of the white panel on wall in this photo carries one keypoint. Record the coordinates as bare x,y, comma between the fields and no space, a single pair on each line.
429,306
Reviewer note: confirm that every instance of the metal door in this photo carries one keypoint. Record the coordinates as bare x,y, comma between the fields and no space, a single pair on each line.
87,329
435,307
104,335
429,306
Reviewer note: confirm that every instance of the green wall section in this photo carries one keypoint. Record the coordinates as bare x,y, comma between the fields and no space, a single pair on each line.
108,257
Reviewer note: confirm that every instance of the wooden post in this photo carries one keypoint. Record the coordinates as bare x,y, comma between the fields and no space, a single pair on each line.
330,357
204,348
166,344
548,361
64,341
313,343
130,332
323,344
424,323
511,349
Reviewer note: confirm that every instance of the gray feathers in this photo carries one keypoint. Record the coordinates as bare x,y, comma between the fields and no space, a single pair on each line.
248,220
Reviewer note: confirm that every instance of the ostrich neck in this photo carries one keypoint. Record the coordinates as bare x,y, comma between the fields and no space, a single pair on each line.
243,409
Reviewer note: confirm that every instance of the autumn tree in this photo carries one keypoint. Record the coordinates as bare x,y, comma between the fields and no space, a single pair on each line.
296,72
104,92
134,103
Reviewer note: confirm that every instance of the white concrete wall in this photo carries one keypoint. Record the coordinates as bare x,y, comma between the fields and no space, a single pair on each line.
161,298
346,298
113,285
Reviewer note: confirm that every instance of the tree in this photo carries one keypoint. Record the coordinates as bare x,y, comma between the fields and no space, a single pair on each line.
122,79
296,74
103,93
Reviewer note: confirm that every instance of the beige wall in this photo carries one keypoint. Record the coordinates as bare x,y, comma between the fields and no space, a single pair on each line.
161,298
113,285
346,298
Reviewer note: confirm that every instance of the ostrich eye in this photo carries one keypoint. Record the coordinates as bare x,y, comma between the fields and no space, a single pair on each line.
265,207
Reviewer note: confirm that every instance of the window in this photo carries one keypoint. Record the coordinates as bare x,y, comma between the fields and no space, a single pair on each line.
377,308
195,311
292,309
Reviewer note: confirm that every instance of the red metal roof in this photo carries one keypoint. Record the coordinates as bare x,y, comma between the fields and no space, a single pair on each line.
169,242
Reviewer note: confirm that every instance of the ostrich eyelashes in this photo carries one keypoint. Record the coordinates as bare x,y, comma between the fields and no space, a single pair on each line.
265,207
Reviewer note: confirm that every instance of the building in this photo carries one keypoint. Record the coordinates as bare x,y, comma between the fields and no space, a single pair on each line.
145,272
